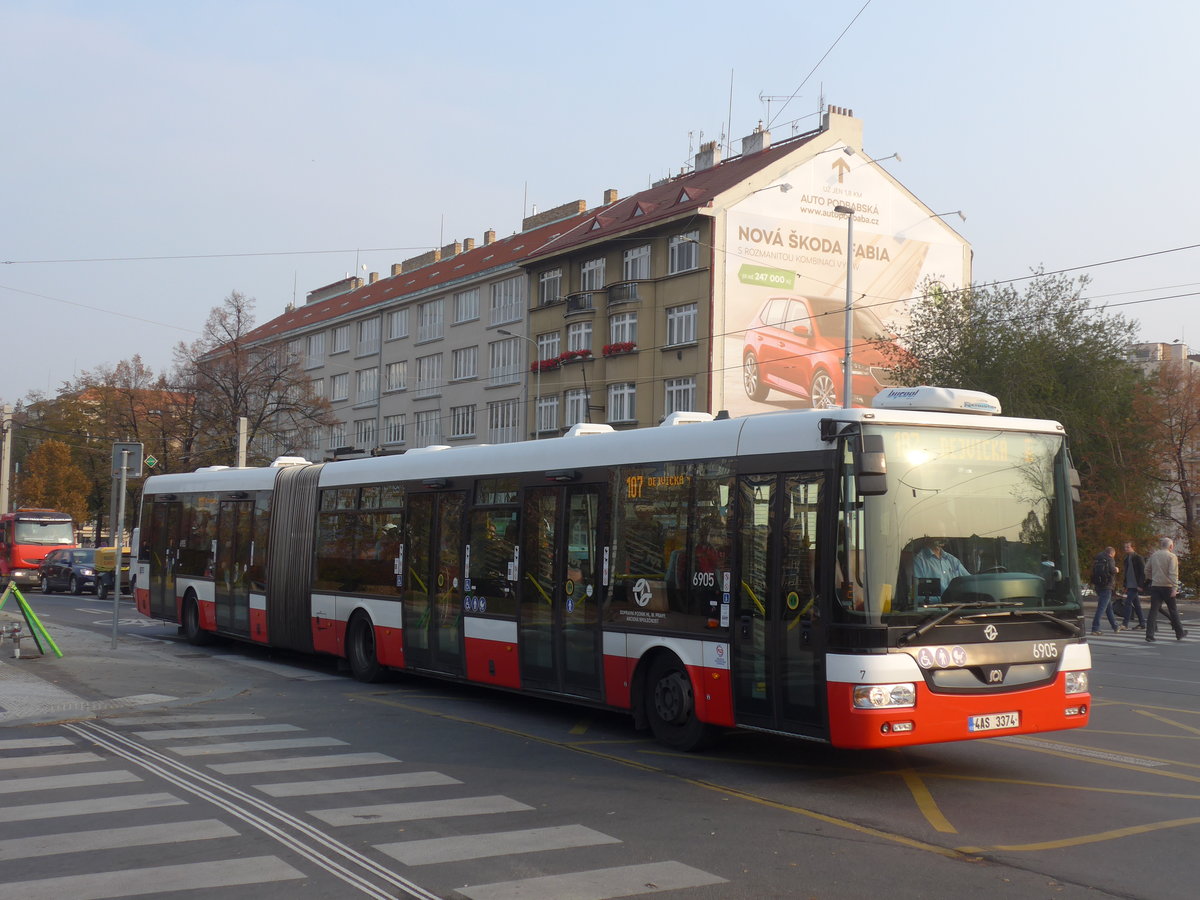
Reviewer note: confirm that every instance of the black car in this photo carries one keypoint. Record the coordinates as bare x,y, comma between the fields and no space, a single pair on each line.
68,570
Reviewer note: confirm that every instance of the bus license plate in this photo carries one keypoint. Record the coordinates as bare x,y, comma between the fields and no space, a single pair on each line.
994,722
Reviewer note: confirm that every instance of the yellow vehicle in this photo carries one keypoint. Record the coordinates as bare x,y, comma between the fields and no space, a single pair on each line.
105,563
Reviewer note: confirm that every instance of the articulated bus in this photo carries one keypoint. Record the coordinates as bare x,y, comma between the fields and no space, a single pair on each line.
864,577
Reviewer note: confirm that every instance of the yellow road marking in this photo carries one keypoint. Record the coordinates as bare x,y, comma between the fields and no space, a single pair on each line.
1097,838
581,726
1166,721
926,803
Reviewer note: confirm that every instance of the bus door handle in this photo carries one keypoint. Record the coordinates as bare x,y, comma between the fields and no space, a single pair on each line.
746,625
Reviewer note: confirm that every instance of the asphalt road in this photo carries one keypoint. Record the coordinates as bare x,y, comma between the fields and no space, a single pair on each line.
233,772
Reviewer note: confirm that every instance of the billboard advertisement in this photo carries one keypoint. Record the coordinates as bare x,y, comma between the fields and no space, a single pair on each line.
782,311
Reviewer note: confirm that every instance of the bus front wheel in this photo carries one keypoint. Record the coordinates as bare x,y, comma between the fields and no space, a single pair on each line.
360,650
671,707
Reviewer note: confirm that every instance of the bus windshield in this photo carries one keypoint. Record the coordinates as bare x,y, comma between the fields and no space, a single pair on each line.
975,517
47,534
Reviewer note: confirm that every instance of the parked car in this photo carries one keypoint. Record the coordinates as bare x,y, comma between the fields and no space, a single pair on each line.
797,344
68,570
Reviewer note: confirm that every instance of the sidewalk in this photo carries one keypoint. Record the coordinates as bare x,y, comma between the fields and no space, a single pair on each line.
92,678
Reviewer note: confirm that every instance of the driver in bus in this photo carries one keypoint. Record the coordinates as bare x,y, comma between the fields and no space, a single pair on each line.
934,563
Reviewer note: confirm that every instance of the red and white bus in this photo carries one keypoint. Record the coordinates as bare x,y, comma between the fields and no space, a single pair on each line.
788,572
26,536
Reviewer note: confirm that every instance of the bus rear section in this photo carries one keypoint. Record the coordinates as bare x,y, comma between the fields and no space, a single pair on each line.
26,537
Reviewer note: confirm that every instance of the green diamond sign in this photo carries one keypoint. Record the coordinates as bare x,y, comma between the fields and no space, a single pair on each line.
151,461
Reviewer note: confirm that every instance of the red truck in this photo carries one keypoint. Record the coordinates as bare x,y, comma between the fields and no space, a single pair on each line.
26,536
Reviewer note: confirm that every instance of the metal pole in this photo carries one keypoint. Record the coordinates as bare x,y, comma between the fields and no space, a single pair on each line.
6,471
537,377
119,547
848,363
243,423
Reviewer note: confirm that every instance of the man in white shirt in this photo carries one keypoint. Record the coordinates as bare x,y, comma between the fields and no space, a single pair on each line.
1162,568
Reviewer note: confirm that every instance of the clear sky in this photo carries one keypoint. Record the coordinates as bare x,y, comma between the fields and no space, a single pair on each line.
272,147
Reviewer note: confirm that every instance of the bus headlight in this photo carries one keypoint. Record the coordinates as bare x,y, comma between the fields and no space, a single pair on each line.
884,696
1077,682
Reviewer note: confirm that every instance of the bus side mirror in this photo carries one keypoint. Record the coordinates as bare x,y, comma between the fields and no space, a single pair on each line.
870,465
1074,482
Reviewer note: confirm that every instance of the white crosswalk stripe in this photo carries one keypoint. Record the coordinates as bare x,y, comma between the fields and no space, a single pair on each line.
599,884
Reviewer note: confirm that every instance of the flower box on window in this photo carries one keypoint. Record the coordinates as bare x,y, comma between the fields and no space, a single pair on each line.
571,355
619,347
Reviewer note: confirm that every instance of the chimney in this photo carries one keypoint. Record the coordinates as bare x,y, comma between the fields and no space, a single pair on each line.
468,244
489,237
451,250
610,196
709,156
374,277
564,211
397,268
757,141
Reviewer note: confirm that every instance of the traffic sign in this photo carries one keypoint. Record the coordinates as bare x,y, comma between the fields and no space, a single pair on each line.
151,462
131,453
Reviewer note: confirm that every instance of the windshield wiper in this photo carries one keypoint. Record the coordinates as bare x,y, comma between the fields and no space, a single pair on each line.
1070,626
952,611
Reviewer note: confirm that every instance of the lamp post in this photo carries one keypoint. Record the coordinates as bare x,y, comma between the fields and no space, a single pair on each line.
847,388
537,368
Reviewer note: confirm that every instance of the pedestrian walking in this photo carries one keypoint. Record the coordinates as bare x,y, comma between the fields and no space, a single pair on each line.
1104,576
1163,570
1135,581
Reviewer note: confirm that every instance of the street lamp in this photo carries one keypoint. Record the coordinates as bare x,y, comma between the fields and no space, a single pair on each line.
847,390
537,368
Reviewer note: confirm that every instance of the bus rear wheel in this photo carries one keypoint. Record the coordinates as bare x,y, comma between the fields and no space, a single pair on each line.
360,650
671,707
196,636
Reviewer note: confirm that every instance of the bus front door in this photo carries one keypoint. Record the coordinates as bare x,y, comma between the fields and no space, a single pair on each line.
433,582
561,591
777,641
164,554
232,589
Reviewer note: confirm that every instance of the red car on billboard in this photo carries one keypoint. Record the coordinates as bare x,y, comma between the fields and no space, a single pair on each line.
795,345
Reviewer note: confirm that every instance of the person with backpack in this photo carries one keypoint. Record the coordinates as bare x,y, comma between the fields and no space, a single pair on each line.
1104,575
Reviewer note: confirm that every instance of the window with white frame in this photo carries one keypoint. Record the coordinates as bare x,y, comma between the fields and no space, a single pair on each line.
397,324
622,328
429,375
367,381
591,275
339,387
428,426
507,302
395,376
465,363
637,263
680,395
683,252
393,429
548,345
341,339
621,402
429,321
681,324
316,351
547,414
368,337
364,433
466,306
504,363
575,403
549,286
318,387
462,421
295,351
579,336
504,421
337,435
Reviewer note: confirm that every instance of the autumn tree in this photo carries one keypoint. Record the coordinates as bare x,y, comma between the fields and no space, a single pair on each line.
1047,353
1176,420
234,372
50,479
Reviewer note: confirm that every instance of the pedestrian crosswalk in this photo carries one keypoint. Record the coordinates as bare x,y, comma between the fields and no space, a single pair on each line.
134,805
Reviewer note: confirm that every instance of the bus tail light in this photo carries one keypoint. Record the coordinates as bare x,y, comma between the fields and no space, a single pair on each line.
884,696
1077,682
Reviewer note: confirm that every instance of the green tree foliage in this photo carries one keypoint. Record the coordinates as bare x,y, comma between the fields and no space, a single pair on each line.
1048,353
52,480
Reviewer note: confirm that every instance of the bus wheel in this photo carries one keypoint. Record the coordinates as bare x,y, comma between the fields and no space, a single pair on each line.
671,707
196,636
360,650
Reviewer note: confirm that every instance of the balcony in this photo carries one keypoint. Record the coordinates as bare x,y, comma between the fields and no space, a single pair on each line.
579,303
626,292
